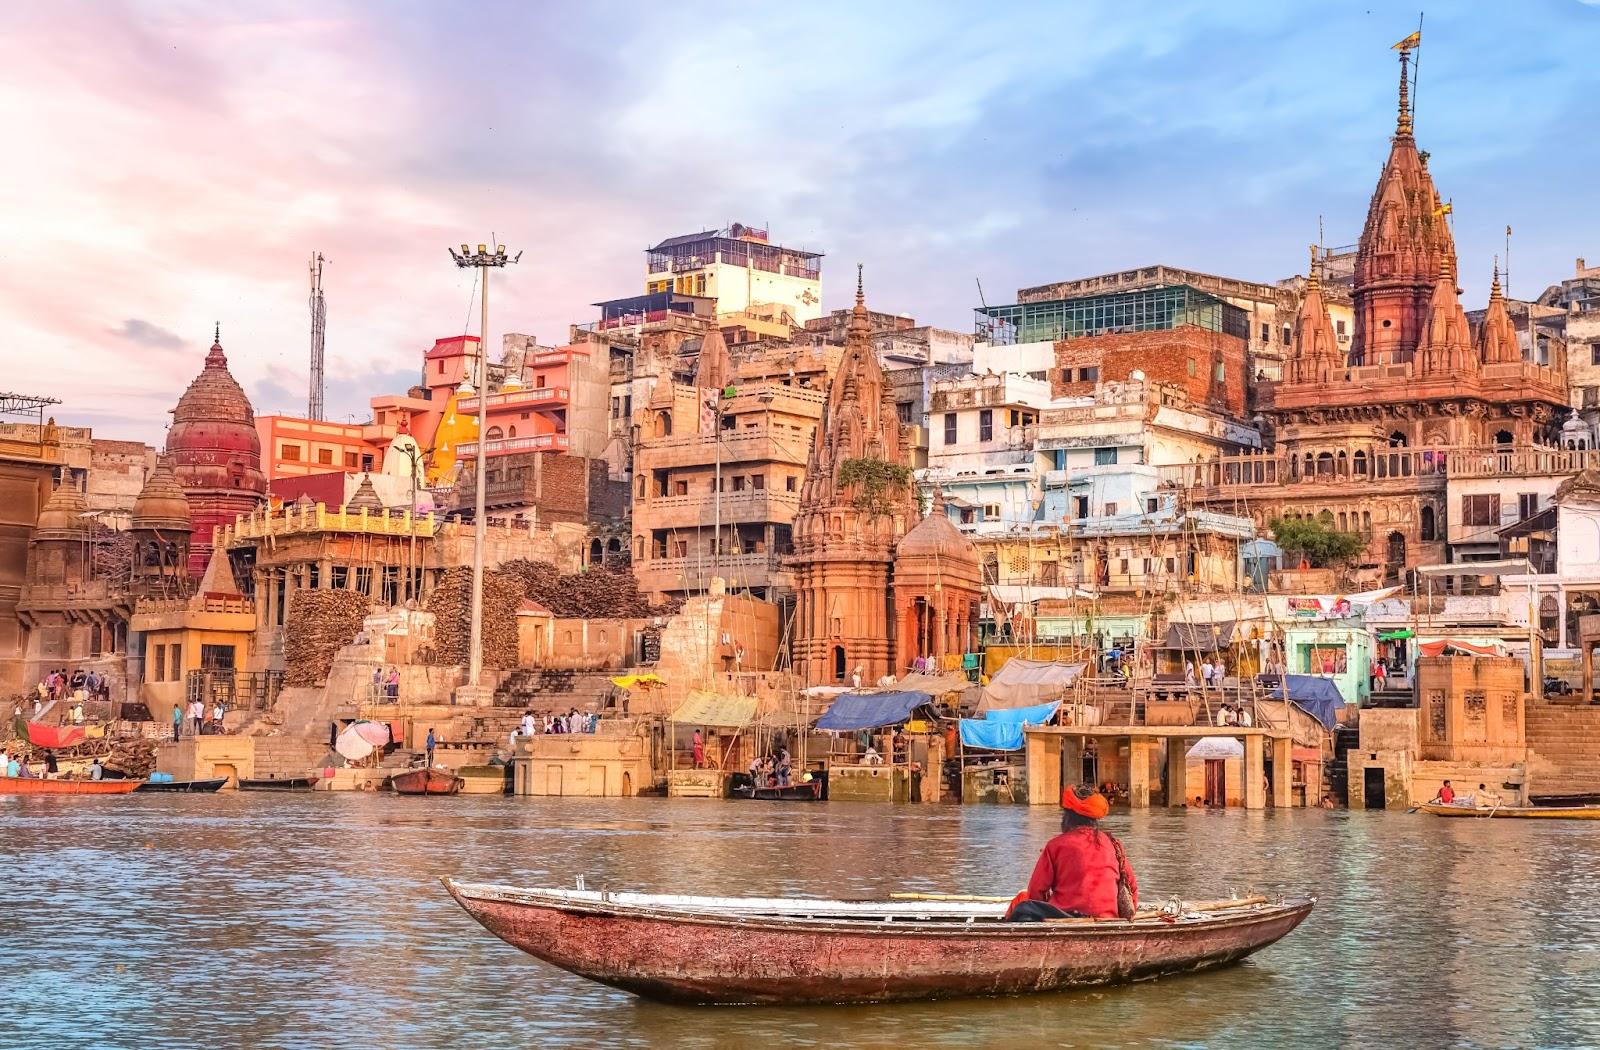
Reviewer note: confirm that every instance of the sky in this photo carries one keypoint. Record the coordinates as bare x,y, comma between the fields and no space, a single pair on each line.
174,165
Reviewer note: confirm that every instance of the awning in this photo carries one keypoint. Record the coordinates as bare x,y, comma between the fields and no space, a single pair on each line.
935,684
1396,636
1013,594
1493,567
1021,683
1001,730
1199,637
1454,647
1318,697
705,708
1223,747
634,681
870,710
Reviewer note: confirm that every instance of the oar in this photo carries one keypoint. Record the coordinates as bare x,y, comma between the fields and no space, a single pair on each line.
948,897
1187,906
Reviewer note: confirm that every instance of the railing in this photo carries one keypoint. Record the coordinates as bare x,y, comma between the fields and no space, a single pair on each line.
237,690
748,505
501,446
293,519
738,446
695,569
535,395
205,603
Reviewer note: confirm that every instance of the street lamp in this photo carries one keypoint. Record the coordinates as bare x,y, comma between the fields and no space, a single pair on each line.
483,259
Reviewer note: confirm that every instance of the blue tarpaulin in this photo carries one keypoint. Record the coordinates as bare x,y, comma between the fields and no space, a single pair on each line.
1318,697
1001,730
870,710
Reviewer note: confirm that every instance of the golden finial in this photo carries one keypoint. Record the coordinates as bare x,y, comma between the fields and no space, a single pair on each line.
1494,288
1312,281
1403,123
861,297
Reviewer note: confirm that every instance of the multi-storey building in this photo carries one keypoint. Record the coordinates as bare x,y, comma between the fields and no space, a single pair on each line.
981,448
738,267
746,427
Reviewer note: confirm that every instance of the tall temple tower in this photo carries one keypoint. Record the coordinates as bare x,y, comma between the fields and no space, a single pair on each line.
1405,245
160,527
852,513
215,453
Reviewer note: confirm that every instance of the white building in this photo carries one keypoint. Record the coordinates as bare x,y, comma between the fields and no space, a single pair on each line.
740,269
981,448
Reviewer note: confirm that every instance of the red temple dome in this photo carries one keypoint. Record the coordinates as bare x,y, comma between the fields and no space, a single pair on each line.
215,453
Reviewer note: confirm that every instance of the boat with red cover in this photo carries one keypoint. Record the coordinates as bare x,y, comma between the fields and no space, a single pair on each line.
429,781
39,786
737,950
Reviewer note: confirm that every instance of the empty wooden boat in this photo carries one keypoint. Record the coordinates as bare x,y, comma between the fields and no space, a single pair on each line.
37,786
429,781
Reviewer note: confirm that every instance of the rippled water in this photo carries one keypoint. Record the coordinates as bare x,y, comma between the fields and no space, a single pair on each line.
317,921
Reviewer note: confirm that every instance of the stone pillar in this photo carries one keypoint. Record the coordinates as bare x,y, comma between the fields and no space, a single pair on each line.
1282,772
1255,792
1588,670
1139,771
1071,763
1177,771
1044,751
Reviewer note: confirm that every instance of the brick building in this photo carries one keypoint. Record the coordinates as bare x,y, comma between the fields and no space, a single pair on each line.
1209,366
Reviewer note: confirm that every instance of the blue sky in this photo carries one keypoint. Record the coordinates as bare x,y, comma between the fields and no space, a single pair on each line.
183,160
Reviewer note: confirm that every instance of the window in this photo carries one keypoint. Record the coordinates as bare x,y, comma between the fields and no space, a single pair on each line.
680,488
1105,457
174,662
495,434
1080,506
366,463
1220,372
1124,566
949,428
902,411
325,456
289,453
1527,504
1338,327
1192,370
351,460
1266,332
639,487
1090,374
511,431
1151,505
680,548
1288,335
789,483
1111,510
738,483
758,481
991,511
985,425
1594,353
1482,509
159,664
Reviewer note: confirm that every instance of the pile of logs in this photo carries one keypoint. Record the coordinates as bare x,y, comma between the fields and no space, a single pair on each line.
133,757
317,624
594,594
451,605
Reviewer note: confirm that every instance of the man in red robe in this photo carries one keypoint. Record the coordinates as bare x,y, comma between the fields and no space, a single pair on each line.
1079,870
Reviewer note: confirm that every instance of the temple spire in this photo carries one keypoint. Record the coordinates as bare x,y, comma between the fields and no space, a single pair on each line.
1403,123
1313,282
860,327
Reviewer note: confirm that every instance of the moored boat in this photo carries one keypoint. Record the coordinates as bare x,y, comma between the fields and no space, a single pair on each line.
278,783
1440,809
738,950
209,784
37,786
430,780
808,791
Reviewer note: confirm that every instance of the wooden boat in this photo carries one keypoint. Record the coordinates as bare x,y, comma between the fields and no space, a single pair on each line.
36,786
210,784
809,791
429,781
733,950
278,783
1439,809
482,780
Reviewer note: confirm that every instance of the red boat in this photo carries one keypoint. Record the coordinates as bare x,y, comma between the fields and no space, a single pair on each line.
429,781
42,734
734,950
36,786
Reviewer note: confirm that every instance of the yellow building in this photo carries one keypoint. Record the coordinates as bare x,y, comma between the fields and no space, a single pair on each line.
194,647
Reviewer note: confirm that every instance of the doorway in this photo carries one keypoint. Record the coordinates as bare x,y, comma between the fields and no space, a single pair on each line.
552,780
1216,782
597,781
1372,787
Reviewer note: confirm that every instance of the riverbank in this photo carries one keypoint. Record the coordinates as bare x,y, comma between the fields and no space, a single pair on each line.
252,920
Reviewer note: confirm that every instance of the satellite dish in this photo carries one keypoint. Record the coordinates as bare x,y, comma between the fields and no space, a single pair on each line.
1136,376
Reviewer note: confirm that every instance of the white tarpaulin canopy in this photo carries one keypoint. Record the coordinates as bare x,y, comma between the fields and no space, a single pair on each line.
1217,747
1023,683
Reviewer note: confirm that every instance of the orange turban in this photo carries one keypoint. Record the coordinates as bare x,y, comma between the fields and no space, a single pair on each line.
1092,805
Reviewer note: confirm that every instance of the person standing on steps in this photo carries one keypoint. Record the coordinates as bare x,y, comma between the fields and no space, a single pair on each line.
430,746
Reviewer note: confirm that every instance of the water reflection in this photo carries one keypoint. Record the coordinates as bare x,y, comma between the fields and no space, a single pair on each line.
310,920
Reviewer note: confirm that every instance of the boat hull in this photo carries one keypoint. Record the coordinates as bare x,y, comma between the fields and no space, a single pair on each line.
31,786
284,784
730,959
426,782
211,784
1516,812
807,792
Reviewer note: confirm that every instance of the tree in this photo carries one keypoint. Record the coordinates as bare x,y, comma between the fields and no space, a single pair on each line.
1316,542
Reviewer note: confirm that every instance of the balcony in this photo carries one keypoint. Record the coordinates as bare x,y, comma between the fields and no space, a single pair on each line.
503,446
292,519
687,512
695,572
756,445
540,398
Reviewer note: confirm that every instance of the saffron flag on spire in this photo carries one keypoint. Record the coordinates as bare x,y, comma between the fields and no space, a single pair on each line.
1410,42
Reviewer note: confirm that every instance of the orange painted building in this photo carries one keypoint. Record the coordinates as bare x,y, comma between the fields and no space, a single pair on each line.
292,447
529,411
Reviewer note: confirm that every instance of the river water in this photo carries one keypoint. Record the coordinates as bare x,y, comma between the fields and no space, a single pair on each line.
317,920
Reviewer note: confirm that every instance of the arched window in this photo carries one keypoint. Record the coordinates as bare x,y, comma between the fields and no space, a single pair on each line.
1396,554
1366,521
1324,464
1344,464
1359,461
1326,519
1397,440
596,552
638,548
495,434
664,424
838,663
1344,522
1549,620
639,487
1428,529
1504,437
613,546
512,432
1310,466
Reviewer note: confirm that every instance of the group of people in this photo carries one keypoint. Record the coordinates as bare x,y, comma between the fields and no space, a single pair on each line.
774,770
1212,673
17,766
1234,715
79,684
195,715
1482,799
386,684
574,721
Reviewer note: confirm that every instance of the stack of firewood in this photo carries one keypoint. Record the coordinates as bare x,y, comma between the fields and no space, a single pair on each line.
318,623
451,605
593,594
